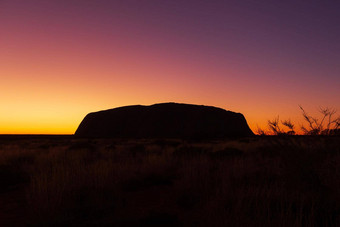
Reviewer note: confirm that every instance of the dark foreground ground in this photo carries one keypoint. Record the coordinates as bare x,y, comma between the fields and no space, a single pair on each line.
259,181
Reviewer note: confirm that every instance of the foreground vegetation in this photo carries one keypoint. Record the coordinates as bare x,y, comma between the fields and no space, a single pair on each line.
258,181
326,124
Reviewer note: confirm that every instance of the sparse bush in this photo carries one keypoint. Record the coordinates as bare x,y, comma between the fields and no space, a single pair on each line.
290,126
275,127
326,125
260,131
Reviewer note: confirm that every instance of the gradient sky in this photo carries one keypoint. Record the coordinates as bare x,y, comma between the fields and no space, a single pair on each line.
60,59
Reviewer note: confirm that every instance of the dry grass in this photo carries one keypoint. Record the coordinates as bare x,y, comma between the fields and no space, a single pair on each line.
261,181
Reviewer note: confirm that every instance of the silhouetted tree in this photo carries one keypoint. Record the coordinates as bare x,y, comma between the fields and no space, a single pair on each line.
325,126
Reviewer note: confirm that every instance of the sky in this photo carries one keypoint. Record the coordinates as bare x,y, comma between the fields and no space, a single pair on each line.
61,59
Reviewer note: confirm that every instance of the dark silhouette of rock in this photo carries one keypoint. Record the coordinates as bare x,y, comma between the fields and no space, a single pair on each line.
164,120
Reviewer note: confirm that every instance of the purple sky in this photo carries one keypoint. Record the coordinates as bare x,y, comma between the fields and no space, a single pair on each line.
261,58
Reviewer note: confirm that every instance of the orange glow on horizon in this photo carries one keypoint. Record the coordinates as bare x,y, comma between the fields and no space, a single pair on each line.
60,60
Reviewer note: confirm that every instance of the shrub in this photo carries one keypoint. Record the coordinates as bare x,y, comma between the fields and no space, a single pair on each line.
326,125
